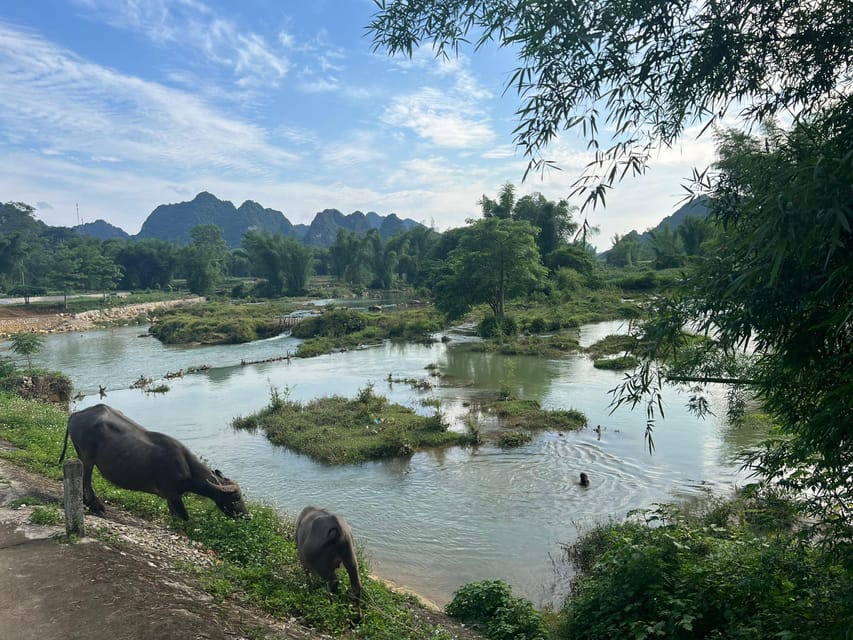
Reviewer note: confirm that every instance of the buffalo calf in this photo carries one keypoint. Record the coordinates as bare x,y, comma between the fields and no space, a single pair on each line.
324,542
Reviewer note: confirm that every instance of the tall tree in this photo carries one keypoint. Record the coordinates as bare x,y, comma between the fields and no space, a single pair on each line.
414,248
693,232
554,220
496,259
503,206
666,248
204,259
383,260
350,257
147,264
64,271
625,250
285,263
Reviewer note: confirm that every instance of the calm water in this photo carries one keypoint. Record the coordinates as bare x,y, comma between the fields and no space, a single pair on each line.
438,519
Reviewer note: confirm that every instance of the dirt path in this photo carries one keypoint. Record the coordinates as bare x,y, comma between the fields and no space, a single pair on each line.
126,580
121,582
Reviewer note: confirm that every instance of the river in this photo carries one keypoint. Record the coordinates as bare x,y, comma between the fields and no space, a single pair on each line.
437,519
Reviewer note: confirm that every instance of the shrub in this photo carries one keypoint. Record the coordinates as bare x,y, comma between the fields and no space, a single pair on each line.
621,363
510,439
46,515
685,579
490,606
537,325
7,367
495,327
642,281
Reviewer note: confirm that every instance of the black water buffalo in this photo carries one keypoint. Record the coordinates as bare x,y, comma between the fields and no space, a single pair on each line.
131,457
324,542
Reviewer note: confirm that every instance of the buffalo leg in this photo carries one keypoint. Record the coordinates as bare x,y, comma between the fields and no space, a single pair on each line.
89,498
350,563
177,509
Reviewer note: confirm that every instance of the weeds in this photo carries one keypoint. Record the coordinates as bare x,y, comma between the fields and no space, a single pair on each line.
338,430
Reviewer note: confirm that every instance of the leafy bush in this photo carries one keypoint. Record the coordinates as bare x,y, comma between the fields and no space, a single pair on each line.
622,363
537,324
695,579
7,366
495,327
642,281
333,323
510,439
490,606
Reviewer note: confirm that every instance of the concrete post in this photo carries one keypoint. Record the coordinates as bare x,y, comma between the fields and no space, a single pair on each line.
73,483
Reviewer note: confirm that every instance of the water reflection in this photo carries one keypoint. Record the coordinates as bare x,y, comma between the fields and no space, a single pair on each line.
437,519
523,376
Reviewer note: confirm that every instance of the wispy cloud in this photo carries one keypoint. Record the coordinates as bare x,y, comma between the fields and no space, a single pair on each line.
192,25
452,113
359,150
67,105
446,121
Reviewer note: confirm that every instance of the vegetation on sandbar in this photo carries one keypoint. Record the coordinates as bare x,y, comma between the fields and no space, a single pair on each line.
218,323
339,328
528,414
338,430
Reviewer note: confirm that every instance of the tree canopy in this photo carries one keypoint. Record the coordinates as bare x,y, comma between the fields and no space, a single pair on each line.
496,259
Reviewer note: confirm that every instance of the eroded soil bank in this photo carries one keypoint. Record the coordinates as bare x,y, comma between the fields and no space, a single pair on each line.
15,319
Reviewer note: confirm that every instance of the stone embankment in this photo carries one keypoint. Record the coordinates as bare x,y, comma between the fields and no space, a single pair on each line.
13,321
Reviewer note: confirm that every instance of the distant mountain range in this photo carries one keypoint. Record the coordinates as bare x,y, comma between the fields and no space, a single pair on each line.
173,222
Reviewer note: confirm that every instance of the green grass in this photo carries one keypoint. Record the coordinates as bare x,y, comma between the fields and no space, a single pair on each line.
338,430
47,515
255,559
527,414
219,323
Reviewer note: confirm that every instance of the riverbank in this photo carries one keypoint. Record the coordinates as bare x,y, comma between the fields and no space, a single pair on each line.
126,580
14,319
213,577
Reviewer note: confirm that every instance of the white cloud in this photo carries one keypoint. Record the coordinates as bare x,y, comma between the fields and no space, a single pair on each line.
447,121
360,150
320,85
68,105
190,24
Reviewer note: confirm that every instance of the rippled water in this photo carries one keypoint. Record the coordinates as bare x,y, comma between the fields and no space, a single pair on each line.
438,519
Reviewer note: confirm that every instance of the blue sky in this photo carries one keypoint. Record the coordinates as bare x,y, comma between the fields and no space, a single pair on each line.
117,106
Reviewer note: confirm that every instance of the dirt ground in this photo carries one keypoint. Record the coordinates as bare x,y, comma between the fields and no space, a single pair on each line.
120,582
124,581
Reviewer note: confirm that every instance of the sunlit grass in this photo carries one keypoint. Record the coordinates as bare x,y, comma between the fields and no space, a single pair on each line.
255,558
339,430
